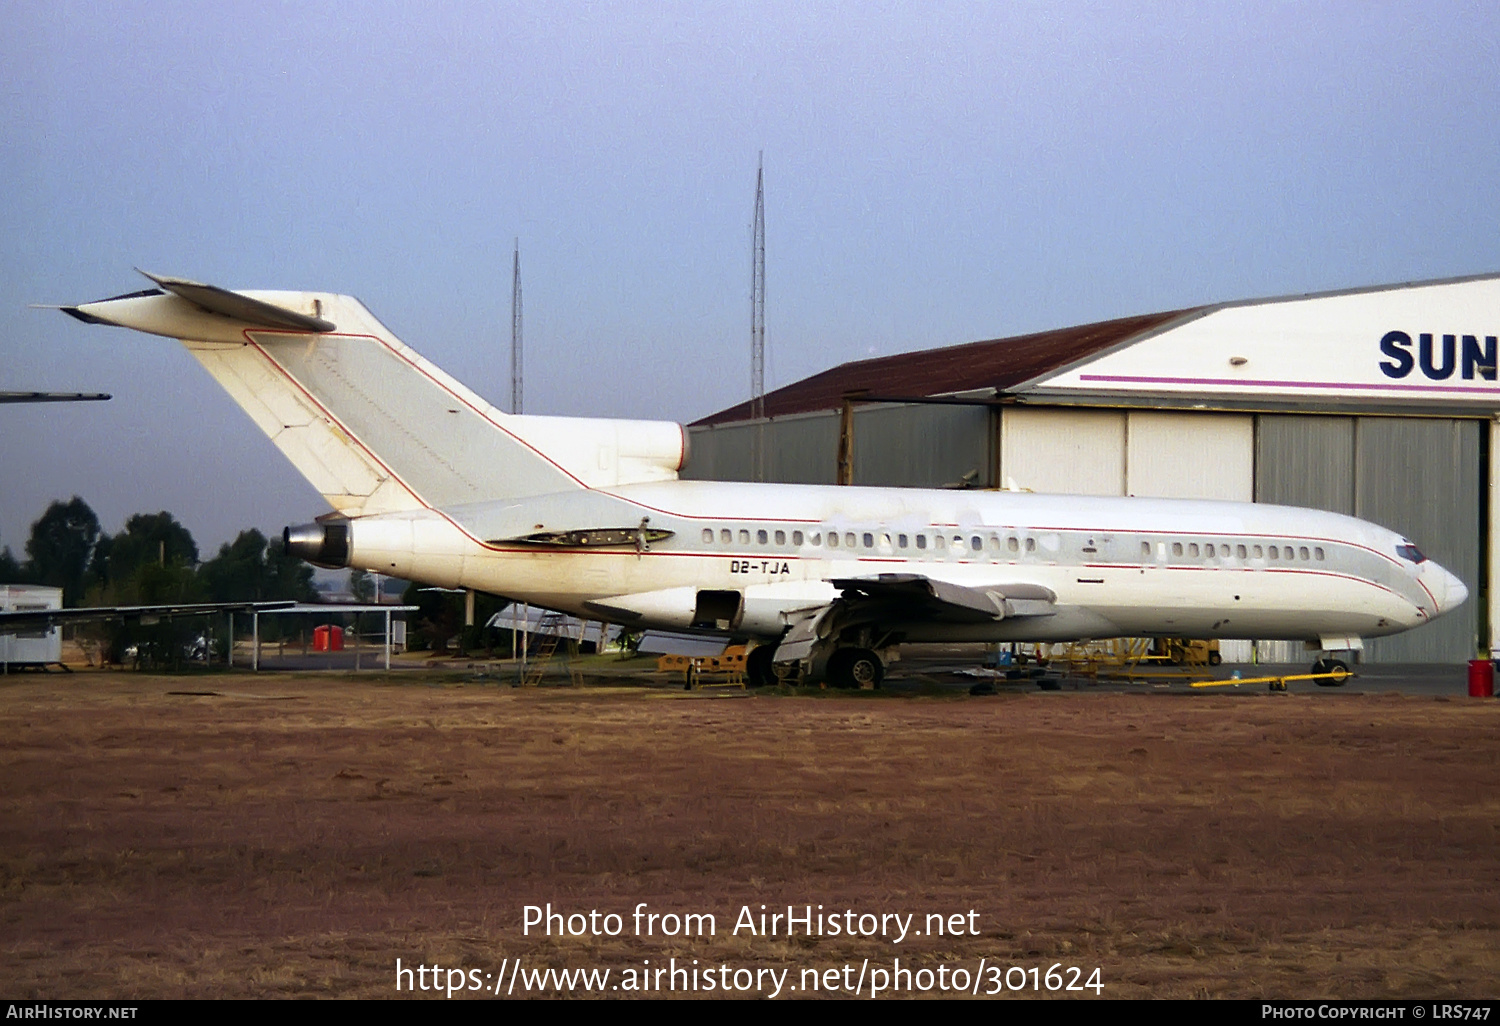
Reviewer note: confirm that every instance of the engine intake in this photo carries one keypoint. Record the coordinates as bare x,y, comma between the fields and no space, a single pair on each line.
325,544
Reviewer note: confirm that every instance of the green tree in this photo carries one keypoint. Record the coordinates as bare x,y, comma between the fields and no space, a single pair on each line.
290,577
11,571
61,547
254,570
238,572
149,540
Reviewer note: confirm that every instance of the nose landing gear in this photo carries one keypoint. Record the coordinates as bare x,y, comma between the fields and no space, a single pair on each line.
1331,673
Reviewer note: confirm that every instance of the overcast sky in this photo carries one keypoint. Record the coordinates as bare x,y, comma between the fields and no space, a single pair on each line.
935,174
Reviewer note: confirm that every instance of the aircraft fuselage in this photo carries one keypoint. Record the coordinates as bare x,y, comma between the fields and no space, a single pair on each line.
1118,567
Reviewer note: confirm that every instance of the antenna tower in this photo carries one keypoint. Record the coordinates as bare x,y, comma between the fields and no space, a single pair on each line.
758,321
515,332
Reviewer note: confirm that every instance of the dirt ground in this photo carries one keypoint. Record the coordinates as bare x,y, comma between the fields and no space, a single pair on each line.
295,836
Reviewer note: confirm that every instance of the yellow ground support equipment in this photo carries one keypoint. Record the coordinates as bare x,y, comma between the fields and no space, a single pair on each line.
1336,676
720,671
1132,659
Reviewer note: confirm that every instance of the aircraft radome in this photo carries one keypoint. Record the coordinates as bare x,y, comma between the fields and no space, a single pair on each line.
431,483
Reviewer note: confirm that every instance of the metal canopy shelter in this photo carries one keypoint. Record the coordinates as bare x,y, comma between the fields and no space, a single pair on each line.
324,610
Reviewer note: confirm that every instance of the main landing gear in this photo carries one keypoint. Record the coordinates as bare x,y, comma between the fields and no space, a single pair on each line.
855,668
850,668
760,671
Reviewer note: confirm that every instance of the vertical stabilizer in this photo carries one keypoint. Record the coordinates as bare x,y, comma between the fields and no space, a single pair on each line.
374,426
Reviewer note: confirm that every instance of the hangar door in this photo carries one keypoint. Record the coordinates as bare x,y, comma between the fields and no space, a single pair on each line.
1142,452
1419,476
800,449
1190,455
1063,451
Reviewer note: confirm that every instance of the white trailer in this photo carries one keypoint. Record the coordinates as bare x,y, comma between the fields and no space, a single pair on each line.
35,647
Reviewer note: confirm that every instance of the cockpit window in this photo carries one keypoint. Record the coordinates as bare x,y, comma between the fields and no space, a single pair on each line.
1411,552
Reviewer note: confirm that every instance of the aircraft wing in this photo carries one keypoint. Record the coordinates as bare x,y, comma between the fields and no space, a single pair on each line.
52,397
907,597
917,596
46,619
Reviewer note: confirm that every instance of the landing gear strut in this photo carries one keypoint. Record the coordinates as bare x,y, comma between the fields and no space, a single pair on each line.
855,668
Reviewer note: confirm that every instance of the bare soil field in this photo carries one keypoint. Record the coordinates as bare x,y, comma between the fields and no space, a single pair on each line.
294,836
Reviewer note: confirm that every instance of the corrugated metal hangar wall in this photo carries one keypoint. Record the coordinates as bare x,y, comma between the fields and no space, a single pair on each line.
1420,476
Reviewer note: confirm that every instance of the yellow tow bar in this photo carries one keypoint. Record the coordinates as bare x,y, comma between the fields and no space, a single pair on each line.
1276,683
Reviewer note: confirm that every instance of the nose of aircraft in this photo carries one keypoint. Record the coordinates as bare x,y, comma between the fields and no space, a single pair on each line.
1447,589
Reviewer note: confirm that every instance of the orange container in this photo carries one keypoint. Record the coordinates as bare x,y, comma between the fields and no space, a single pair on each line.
328,638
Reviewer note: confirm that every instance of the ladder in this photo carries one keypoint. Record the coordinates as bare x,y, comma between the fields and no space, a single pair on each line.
550,628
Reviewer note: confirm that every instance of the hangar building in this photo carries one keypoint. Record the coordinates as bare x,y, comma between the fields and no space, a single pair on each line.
1381,402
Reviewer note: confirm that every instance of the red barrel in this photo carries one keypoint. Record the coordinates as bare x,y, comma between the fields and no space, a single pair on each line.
1481,678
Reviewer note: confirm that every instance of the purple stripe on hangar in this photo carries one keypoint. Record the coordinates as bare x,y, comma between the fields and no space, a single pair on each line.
1134,379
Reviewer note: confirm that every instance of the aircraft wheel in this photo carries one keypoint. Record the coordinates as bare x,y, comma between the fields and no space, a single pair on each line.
758,667
855,668
1214,659
1334,666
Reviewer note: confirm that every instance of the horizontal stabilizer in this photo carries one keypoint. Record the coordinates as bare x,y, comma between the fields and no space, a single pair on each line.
238,307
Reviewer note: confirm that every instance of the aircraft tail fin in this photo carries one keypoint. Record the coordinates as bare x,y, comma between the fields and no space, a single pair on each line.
374,426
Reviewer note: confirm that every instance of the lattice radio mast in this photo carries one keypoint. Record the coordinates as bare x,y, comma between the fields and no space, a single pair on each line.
758,322
515,332
518,646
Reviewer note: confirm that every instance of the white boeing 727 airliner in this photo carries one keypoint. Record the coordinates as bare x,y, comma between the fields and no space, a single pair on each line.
433,484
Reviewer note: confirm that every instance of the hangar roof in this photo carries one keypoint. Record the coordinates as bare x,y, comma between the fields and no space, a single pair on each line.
997,364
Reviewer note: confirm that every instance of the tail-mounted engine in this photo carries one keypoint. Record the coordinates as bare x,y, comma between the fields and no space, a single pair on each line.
322,544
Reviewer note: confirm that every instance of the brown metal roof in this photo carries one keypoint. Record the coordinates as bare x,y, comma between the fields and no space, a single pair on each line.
1000,364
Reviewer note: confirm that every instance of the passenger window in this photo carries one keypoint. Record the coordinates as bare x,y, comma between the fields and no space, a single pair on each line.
1177,548
938,541
1302,553
921,541
1145,550
1208,550
1273,553
780,537
869,540
1318,553
833,539
1013,544
816,538
849,539
725,536
708,535
1240,551
885,540
1030,544
762,537
1193,550
796,537
958,541
901,540
976,543
744,537
1258,552
994,543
